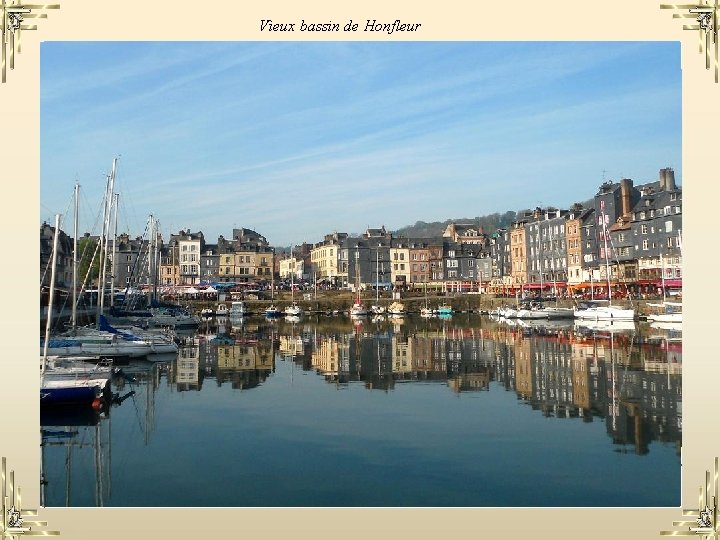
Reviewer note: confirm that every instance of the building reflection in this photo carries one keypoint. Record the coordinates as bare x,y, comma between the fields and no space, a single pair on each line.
630,380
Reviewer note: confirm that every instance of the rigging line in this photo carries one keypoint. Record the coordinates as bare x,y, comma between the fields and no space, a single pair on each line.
87,210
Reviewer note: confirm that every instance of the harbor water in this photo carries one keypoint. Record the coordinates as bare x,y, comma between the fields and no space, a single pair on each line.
329,411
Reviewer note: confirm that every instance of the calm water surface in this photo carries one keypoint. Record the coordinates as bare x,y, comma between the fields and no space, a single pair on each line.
326,412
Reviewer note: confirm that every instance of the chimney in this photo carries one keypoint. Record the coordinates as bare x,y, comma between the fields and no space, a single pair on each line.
667,179
625,189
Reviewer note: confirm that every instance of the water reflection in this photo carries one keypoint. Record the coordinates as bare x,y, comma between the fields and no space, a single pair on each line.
627,378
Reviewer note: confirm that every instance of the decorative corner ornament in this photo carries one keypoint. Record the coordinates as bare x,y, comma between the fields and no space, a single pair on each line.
12,15
707,15
13,522
705,522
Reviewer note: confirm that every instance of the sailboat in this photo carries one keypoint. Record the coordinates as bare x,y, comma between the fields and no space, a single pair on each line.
666,312
377,309
426,311
595,311
293,310
358,309
557,312
80,388
272,311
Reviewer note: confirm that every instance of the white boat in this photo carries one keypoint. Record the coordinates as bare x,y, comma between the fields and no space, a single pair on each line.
507,312
426,312
667,312
161,341
272,311
207,312
592,311
221,310
173,317
358,310
396,308
606,325
531,310
238,309
554,312
293,310
73,367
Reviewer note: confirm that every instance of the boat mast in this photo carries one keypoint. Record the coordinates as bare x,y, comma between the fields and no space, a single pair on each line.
540,262
156,264
75,259
292,277
114,250
662,276
377,276
106,231
357,275
51,295
607,259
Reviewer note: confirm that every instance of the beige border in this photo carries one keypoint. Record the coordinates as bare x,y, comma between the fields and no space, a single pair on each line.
451,20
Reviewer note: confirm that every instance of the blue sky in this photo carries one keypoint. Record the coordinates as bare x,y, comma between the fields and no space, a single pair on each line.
300,139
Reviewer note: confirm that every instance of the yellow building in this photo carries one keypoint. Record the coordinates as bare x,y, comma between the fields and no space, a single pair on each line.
518,254
400,265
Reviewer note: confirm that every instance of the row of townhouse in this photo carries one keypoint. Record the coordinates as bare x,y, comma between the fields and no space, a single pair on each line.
188,259
635,232
632,231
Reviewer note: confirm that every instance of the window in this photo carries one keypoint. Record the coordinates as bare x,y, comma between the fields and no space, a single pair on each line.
668,227
451,253
645,244
643,229
677,209
673,196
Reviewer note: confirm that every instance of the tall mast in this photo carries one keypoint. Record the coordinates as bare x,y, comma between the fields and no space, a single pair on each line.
113,271
377,276
51,296
75,259
106,232
607,259
101,273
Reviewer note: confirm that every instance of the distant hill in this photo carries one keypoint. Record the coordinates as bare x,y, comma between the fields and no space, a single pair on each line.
489,224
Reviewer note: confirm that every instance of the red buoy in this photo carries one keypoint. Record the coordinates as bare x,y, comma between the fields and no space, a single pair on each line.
97,404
